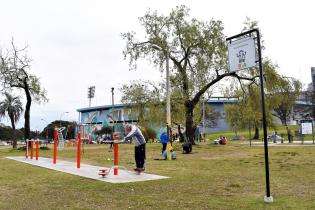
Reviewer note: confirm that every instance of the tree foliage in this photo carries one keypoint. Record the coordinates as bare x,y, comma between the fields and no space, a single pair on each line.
7,132
281,94
144,98
105,130
11,106
14,74
197,50
286,92
69,132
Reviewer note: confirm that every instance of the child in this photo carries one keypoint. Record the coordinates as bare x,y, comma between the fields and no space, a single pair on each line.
172,153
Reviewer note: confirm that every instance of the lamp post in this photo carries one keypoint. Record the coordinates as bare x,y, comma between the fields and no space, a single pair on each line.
46,129
61,116
168,98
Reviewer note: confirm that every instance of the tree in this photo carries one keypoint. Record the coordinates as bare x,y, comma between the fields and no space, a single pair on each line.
69,132
234,116
105,130
309,97
286,93
281,94
14,73
6,132
144,99
147,101
196,49
11,106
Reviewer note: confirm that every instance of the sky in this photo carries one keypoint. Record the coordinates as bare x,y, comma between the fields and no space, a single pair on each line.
75,44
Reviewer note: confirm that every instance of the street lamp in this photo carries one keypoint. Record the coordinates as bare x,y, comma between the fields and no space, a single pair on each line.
47,127
61,116
168,98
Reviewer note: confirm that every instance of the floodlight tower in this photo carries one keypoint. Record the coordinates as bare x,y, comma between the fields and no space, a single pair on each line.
91,93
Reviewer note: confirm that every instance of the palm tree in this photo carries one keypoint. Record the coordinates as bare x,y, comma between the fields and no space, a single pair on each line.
12,106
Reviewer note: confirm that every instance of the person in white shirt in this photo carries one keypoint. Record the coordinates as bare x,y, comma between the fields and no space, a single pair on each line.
135,134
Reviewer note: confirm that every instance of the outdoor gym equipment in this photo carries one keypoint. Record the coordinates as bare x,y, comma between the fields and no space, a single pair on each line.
104,172
32,148
61,142
79,150
115,167
56,141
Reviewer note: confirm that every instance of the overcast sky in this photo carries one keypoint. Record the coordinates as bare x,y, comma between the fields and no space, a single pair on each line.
76,43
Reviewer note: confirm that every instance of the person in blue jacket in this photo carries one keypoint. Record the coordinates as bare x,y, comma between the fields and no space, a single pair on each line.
163,139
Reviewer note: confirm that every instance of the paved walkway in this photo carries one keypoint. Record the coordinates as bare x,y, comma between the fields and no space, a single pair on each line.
88,171
306,143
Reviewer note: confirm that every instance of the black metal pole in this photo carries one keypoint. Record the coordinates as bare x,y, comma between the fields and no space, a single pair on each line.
268,198
264,114
313,131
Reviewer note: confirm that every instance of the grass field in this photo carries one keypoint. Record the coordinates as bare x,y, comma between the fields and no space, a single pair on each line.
212,177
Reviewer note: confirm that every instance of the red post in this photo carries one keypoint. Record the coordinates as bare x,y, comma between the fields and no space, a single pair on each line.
79,150
55,145
32,148
37,149
115,156
26,149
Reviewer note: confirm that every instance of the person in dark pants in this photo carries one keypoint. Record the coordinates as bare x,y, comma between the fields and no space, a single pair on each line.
290,136
163,139
135,134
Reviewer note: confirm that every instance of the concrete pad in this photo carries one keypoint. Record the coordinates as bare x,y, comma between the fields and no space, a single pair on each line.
88,171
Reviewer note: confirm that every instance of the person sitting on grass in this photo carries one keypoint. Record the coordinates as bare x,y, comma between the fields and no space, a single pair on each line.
223,140
171,152
187,147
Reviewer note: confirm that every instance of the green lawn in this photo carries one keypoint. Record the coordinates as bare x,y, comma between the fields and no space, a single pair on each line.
280,129
212,177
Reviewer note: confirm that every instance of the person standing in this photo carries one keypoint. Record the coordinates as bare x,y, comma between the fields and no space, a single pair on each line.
163,139
290,136
135,134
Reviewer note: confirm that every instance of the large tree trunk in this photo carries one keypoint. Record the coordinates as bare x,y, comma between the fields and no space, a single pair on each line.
27,130
189,122
13,134
181,136
256,136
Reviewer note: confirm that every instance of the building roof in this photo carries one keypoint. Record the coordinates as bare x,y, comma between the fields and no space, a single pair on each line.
99,108
221,100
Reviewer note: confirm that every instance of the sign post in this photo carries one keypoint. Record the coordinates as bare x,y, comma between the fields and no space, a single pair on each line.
242,55
307,128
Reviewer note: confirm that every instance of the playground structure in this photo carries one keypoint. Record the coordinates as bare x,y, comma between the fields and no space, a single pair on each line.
31,142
